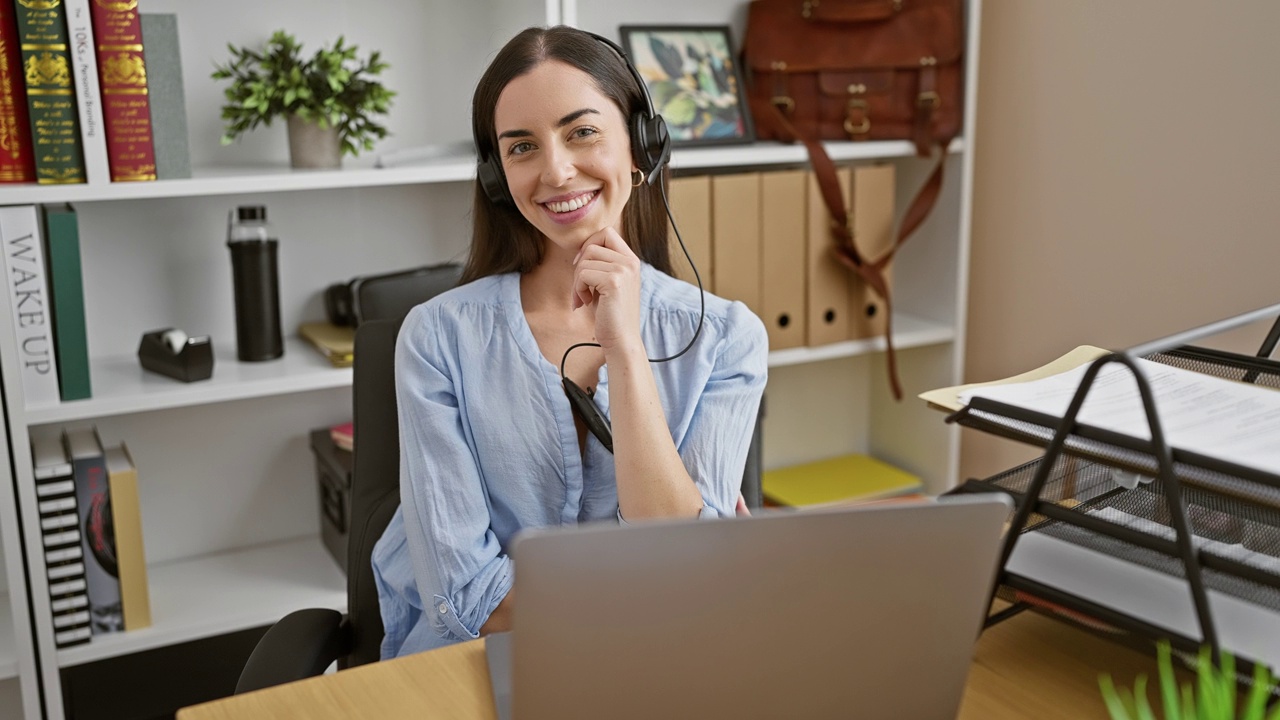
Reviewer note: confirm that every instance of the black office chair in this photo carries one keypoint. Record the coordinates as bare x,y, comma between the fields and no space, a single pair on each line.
305,642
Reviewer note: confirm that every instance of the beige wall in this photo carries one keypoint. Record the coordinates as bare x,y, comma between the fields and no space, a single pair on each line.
1127,179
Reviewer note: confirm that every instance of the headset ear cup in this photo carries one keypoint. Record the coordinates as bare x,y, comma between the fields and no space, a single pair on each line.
650,144
489,175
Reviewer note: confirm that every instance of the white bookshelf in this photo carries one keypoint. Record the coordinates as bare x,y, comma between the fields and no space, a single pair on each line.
222,593
227,480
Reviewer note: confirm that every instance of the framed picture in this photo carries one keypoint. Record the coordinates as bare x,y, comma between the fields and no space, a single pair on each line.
694,80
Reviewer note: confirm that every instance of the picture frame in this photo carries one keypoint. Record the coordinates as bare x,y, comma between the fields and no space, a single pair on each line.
693,76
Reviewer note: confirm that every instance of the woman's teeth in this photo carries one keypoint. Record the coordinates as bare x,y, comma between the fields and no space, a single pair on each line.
571,205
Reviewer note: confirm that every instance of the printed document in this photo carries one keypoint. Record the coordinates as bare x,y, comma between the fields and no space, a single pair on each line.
1232,421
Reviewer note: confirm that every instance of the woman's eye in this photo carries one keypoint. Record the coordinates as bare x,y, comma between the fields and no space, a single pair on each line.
519,148
583,132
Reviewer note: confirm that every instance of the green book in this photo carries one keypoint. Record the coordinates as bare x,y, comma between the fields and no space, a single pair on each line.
51,99
62,231
847,478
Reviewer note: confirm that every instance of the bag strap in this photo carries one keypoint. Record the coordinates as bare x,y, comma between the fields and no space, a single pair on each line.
845,247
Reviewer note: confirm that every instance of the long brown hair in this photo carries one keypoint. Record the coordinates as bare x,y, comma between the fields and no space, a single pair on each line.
502,240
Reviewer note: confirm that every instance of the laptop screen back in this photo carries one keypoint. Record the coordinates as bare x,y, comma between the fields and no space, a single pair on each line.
862,612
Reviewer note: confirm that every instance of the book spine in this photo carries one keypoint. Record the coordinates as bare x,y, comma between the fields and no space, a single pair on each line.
17,161
126,514
167,95
64,556
126,107
51,98
66,290
29,303
84,68
93,496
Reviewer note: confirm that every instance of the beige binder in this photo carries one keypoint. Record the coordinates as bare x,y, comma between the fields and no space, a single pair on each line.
690,199
872,210
782,257
735,237
827,296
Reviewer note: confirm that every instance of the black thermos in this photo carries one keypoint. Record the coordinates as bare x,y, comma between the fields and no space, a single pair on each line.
255,274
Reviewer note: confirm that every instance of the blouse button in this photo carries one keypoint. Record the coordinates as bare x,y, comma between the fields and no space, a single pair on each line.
443,608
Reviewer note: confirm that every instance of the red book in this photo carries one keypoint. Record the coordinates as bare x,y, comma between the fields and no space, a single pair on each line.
343,435
122,73
17,161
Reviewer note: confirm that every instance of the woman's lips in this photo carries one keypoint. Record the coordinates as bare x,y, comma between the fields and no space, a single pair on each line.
575,207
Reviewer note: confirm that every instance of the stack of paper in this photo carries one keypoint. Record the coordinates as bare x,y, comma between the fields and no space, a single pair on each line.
336,343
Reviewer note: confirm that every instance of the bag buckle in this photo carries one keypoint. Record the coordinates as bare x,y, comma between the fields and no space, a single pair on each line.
806,10
928,98
862,127
783,103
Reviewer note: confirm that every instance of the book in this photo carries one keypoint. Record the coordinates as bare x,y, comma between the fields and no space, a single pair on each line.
60,536
97,537
17,161
29,301
126,516
126,106
66,292
343,435
167,94
843,479
84,70
337,344
51,98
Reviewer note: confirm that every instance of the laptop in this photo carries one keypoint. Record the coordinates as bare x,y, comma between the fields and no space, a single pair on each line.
868,612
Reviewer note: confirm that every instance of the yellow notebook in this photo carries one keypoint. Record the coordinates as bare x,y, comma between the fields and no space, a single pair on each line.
839,479
336,343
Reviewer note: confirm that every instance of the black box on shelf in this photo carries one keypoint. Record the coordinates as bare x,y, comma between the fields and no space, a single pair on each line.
333,476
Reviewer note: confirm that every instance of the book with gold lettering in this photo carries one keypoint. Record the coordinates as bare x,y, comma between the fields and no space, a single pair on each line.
51,99
122,74
17,163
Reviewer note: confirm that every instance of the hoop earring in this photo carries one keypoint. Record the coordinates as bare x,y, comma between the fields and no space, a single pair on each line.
639,178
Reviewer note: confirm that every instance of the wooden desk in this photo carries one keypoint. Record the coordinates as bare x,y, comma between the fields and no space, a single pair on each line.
1028,666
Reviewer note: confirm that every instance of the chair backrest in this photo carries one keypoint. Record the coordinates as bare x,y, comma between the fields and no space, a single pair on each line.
375,481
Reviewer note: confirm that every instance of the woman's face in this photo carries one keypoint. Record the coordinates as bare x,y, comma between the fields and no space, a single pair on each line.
566,152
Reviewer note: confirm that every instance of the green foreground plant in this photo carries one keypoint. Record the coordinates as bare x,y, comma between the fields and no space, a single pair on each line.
1213,696
332,88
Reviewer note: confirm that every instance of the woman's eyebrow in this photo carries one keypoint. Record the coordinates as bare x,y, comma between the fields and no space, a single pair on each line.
562,122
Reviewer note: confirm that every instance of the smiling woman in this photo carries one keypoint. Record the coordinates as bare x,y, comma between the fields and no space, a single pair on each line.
569,250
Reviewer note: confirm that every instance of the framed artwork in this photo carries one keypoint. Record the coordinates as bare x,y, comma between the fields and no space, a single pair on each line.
694,80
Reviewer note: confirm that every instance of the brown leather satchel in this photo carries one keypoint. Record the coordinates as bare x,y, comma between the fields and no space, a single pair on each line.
858,70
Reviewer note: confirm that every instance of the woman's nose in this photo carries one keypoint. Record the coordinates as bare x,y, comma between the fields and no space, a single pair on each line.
558,168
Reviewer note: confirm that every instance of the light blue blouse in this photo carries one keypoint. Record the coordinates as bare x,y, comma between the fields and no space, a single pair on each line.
488,445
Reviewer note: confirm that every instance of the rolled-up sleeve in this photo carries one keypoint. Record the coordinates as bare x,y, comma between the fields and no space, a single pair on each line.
715,447
459,567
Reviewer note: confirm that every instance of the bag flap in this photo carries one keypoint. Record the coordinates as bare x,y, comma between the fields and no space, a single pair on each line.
777,31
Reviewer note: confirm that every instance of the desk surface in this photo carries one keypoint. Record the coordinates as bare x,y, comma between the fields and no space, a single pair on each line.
1028,666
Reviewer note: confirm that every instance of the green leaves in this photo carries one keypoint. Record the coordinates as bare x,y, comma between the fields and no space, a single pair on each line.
332,87
1213,696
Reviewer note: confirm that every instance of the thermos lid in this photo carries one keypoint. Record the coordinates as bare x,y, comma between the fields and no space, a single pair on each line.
251,212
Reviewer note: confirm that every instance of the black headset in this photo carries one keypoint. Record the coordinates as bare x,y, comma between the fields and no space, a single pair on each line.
650,150
650,141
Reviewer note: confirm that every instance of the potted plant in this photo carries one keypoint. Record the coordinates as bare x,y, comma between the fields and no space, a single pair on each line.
329,100
1214,696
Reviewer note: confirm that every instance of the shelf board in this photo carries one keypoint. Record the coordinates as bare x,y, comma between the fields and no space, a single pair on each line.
449,167
121,386
215,594
908,332
774,153
8,645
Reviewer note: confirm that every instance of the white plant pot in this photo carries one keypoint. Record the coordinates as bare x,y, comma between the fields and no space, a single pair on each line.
311,146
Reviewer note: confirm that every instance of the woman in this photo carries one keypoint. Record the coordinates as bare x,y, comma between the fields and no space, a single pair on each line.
489,443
